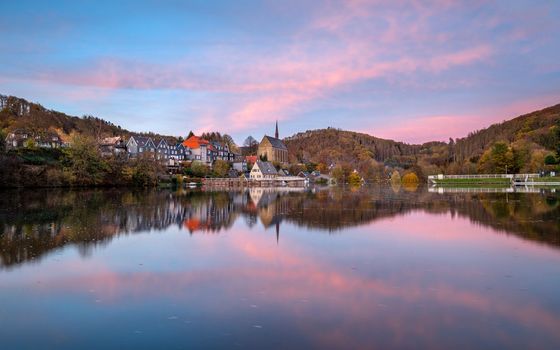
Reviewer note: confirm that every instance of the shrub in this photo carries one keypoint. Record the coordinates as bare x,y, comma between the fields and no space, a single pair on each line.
410,178
355,179
550,160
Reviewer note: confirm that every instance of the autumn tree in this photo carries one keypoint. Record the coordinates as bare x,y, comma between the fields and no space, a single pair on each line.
341,172
85,164
322,168
220,168
145,171
502,157
198,169
354,179
228,140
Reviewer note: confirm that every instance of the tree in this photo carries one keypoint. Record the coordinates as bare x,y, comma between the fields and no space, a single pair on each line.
30,143
558,138
145,170
341,172
198,169
355,179
502,157
550,159
221,168
2,141
251,145
410,178
85,164
250,141
322,168
228,140
294,169
191,134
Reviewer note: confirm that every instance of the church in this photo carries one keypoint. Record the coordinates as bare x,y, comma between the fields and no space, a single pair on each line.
272,149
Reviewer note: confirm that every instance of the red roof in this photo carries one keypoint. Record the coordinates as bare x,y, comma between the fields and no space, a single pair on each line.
194,142
251,159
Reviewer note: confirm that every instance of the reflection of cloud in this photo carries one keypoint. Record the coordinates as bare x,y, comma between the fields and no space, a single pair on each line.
301,283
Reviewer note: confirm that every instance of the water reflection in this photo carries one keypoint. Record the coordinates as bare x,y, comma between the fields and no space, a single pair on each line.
370,268
33,223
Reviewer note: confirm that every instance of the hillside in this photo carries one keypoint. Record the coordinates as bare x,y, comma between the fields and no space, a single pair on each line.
537,128
334,145
18,113
517,145
528,139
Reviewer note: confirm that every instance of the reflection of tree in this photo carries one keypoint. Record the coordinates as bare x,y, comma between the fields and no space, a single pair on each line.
33,223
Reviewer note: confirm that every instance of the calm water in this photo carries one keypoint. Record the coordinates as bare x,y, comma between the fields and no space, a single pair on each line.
374,268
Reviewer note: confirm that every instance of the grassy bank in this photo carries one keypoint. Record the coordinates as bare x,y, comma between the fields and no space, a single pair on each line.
547,179
484,181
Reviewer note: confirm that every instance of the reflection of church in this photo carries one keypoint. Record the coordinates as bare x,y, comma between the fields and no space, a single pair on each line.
272,205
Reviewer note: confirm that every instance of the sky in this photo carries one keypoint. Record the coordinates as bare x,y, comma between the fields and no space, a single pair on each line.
413,71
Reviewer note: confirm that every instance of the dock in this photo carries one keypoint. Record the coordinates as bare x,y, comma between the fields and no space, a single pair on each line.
280,181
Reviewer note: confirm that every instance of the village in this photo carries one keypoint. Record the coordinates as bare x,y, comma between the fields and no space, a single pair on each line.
266,166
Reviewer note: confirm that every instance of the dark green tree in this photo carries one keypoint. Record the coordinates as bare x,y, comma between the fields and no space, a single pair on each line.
2,141
502,158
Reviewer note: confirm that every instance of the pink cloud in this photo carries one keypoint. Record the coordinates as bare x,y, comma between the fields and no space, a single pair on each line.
280,84
419,129
435,128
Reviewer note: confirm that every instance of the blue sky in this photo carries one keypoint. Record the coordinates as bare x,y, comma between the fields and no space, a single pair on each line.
407,70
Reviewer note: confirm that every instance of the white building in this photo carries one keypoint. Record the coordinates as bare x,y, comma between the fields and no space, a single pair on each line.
263,170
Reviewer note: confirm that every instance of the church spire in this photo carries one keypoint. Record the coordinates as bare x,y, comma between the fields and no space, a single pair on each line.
276,132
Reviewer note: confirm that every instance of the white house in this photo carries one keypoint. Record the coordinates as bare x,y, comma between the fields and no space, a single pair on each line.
263,170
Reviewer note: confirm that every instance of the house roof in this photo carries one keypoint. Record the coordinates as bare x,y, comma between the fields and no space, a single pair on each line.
267,168
276,143
195,142
142,140
111,140
251,159
159,141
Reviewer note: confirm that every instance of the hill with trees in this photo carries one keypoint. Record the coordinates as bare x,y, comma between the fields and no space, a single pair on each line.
528,143
18,113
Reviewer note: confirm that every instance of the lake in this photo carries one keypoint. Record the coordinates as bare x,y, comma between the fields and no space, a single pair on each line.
377,267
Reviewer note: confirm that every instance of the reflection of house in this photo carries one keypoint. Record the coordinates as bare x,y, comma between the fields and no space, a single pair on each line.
272,149
263,170
46,139
210,215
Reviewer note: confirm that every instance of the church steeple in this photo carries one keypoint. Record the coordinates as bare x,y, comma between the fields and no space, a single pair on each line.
276,132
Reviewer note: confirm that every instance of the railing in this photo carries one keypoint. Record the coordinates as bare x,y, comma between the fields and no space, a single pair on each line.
523,189
484,176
